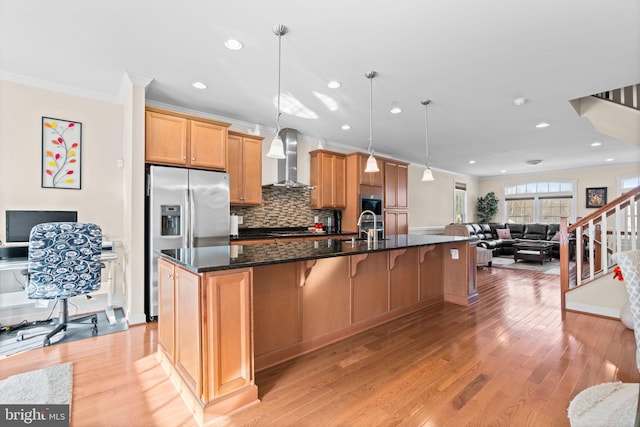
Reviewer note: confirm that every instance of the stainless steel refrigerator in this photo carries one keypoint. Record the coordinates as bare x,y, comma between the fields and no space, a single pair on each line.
186,208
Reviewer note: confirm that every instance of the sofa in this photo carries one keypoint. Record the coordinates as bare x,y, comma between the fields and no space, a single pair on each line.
500,237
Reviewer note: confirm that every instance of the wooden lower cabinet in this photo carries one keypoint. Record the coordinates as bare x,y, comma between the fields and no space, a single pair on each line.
188,328
166,309
227,308
215,329
212,360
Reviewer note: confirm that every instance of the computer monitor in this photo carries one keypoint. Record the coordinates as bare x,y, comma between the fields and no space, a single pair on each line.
20,223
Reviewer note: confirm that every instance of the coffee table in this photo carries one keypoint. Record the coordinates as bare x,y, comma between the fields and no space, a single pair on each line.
538,250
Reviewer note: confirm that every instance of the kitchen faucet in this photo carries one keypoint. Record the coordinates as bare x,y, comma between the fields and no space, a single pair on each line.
372,233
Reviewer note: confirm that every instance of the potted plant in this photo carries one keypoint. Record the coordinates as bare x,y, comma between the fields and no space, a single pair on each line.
487,207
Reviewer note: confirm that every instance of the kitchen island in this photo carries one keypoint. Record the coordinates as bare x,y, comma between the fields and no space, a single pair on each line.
227,311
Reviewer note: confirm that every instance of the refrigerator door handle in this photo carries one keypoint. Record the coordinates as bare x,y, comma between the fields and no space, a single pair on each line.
192,213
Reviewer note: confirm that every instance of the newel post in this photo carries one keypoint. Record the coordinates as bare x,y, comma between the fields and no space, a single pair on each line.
564,263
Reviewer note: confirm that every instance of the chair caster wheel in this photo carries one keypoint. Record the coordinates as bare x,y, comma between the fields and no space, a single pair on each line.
47,343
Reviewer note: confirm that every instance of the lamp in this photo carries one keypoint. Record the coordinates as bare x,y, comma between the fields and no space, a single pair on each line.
427,175
276,150
372,165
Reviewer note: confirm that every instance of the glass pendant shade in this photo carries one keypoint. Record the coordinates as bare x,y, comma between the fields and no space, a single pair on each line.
372,165
427,175
276,151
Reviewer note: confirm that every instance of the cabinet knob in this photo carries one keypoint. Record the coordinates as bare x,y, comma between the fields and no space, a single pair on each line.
184,158
193,158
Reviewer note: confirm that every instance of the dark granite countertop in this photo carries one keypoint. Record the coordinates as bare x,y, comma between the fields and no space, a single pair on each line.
224,257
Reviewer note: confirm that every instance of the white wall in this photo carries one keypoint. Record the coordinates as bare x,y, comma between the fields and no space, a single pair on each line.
605,176
100,199
431,203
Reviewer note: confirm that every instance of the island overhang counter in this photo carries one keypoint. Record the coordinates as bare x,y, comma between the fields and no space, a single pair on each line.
227,311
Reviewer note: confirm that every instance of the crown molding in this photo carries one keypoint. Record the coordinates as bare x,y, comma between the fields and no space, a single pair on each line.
57,87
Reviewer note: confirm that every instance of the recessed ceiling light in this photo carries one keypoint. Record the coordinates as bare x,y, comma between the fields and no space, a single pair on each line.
233,44
396,110
471,162
542,125
345,127
199,85
334,84
596,144
534,162
519,101
609,160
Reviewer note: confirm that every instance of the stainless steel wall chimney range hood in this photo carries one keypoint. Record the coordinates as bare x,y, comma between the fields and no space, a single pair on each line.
288,167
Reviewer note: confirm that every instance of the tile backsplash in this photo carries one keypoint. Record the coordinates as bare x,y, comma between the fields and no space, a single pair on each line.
281,207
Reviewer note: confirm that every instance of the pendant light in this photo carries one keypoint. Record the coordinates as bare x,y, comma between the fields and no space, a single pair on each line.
427,175
372,165
276,150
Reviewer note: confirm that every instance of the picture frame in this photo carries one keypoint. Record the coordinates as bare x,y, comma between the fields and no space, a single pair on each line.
596,197
61,153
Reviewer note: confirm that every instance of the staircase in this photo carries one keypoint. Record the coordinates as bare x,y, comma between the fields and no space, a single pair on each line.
611,229
615,112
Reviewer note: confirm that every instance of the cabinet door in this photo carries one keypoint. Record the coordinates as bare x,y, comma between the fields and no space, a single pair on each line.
188,331
252,170
165,139
402,197
166,298
390,185
370,178
390,223
402,222
228,334
404,285
370,285
339,182
208,145
234,167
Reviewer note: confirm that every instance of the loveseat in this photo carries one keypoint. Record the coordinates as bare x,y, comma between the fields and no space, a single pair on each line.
500,237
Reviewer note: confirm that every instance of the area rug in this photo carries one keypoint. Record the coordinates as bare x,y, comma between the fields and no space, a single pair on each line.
608,404
51,385
549,267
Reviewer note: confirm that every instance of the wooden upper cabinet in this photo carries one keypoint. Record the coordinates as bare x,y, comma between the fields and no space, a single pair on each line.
245,168
165,138
395,185
370,178
208,145
328,177
183,140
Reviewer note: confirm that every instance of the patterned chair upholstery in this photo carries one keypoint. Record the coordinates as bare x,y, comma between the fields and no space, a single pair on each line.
629,263
64,261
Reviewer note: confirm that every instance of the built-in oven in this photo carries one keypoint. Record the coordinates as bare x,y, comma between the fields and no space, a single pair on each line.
371,203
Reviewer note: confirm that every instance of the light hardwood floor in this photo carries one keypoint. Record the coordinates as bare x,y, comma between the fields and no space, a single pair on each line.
508,360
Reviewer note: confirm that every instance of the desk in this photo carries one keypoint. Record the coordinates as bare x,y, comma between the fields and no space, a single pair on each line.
17,298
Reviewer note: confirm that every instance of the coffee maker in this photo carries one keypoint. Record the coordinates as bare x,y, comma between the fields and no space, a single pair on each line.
337,221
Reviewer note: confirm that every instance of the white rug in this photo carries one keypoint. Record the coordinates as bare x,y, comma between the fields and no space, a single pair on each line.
606,405
51,385
549,267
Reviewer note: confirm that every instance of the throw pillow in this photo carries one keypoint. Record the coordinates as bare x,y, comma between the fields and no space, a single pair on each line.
503,233
556,236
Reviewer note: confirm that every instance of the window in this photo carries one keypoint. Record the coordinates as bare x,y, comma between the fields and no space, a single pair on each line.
460,202
627,183
545,202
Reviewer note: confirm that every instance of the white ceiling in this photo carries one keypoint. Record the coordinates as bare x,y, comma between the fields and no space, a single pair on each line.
470,58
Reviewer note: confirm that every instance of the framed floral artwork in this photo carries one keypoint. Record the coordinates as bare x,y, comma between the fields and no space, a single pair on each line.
61,153
596,197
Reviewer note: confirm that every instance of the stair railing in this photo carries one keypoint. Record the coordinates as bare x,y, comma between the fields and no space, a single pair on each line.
597,238
626,96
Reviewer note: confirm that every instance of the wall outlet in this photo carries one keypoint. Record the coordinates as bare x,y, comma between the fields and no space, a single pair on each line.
240,220
455,254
